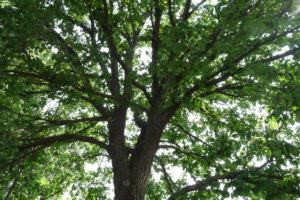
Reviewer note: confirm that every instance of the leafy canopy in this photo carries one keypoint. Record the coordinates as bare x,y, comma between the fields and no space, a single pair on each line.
211,88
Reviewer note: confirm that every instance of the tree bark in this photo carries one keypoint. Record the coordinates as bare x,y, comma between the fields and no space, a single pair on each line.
132,169
130,192
131,175
119,154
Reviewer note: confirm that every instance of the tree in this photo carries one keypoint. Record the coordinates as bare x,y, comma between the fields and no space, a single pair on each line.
212,89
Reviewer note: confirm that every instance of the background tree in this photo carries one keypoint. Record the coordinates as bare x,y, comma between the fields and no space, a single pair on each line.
212,89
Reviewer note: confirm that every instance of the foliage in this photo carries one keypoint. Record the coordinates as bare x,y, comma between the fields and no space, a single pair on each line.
211,89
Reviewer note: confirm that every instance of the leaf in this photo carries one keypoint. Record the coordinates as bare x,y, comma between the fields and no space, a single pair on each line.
297,113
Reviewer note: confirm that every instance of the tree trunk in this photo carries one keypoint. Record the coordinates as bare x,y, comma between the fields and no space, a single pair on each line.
119,154
130,182
131,175
130,192
134,188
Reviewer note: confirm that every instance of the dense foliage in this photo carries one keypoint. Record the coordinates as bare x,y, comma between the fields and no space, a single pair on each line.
167,99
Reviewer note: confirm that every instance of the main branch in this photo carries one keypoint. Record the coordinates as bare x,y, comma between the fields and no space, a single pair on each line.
47,141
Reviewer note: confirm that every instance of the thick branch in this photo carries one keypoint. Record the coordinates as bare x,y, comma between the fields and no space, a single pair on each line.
170,13
187,13
179,150
196,7
21,158
109,37
12,187
20,74
143,89
47,141
49,196
64,44
221,89
81,25
58,122
99,107
279,56
213,39
155,46
167,177
205,183
74,121
186,10
189,134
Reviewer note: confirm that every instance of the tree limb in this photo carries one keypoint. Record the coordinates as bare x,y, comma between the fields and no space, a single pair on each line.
64,44
58,122
170,13
167,177
47,141
186,10
188,13
73,121
81,25
12,187
155,46
221,89
188,133
179,149
143,89
279,56
109,37
203,184
206,182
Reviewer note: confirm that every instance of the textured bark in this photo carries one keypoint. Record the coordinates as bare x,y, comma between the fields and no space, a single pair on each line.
131,176
132,192
119,154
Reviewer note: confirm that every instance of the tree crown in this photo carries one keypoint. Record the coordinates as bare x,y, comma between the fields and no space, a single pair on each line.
210,88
